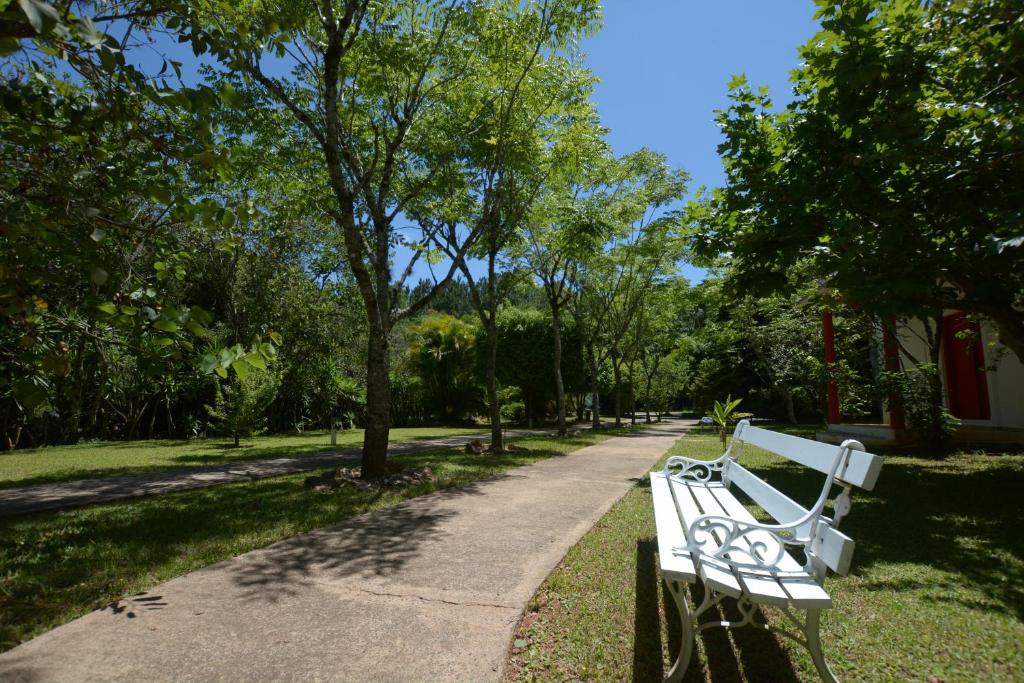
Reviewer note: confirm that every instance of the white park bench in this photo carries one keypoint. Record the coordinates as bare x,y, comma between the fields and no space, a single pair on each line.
706,533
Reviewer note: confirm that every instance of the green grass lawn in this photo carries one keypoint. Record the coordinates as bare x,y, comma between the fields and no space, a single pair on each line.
57,566
936,592
81,461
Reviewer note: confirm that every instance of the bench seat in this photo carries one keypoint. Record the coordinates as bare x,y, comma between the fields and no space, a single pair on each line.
789,584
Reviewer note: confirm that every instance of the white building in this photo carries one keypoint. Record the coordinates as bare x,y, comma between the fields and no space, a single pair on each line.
983,383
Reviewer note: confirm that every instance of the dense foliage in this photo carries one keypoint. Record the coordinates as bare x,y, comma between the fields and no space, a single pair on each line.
405,213
896,171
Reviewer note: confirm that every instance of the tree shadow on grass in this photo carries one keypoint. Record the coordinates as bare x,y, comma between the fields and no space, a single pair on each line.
957,516
759,652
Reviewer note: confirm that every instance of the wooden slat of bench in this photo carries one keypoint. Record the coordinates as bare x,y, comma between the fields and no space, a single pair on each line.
781,507
803,591
835,549
717,577
861,468
670,532
761,586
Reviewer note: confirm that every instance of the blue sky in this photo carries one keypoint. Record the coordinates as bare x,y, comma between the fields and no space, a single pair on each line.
663,66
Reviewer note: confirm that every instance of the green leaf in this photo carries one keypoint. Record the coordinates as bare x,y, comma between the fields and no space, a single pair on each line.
98,276
41,15
108,308
166,326
241,368
8,46
255,360
221,371
29,394
230,96
58,365
275,337
162,341
195,328
98,234
160,194
208,363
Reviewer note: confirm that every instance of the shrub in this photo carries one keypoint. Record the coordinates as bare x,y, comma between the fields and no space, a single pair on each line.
240,403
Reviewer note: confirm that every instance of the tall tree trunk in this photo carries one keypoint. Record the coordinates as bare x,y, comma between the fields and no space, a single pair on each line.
73,423
556,322
790,408
632,399
595,392
378,404
152,418
497,442
935,436
648,381
647,404
617,374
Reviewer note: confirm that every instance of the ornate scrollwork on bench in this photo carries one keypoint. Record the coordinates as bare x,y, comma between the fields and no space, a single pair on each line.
764,544
693,470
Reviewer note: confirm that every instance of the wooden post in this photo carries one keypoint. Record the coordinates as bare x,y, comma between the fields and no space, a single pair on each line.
334,432
891,350
829,334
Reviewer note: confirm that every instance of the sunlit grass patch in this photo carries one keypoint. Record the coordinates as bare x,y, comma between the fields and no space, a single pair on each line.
86,460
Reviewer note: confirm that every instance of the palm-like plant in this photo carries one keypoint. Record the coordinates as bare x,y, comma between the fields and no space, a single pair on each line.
722,415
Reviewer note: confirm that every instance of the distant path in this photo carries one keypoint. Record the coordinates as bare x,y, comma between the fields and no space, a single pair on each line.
428,590
79,492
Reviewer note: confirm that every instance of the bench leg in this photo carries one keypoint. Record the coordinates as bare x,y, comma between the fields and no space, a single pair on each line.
678,590
811,631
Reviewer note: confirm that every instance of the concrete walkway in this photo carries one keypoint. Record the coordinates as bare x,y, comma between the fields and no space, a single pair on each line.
425,591
71,494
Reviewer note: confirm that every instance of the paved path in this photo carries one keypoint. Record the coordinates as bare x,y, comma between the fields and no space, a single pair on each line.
71,494
428,590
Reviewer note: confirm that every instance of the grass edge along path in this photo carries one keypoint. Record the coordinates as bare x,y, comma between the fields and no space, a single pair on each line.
936,592
52,464
55,567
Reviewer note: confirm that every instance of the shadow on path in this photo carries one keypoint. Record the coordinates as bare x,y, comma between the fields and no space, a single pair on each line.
377,544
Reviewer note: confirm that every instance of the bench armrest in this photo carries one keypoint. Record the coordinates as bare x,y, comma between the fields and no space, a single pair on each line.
764,544
695,470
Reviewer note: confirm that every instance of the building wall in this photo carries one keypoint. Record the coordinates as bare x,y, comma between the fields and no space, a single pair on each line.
1005,377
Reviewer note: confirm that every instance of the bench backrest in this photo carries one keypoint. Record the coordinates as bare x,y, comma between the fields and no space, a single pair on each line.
830,547
859,467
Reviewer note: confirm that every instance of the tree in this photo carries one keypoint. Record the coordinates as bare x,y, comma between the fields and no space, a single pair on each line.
896,169
384,93
656,333
241,402
639,250
443,352
526,343
101,161
532,87
567,226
